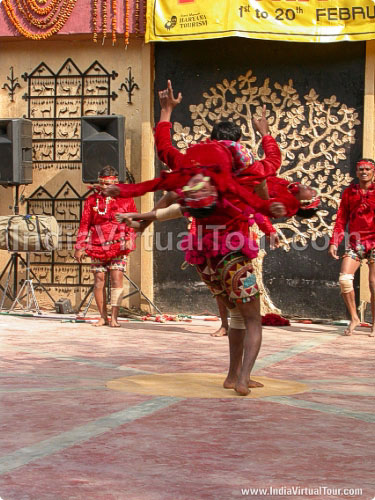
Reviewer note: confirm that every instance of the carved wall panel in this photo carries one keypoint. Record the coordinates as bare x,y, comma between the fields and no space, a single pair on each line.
57,269
56,102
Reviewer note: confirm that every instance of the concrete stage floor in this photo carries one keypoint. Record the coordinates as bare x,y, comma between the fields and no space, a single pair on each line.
138,413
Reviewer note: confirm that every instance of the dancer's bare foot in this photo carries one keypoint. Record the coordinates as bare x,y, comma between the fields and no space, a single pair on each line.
221,332
101,322
230,382
253,384
352,326
242,389
114,323
372,334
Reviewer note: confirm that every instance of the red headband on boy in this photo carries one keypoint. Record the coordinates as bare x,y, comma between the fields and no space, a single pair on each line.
109,178
366,163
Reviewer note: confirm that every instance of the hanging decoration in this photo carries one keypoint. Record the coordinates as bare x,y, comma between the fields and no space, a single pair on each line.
114,21
48,20
40,19
127,22
95,20
137,30
104,20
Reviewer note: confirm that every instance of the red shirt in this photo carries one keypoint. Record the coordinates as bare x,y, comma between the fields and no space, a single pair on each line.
99,234
357,208
254,173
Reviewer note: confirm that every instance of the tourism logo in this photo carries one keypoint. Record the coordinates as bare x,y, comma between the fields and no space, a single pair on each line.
169,24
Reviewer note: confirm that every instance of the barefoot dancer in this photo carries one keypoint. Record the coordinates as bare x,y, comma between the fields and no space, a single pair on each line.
107,242
208,191
357,208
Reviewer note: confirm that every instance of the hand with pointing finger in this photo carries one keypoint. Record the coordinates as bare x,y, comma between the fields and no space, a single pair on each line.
168,102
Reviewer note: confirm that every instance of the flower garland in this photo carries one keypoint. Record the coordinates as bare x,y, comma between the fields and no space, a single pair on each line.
95,21
50,20
108,199
104,20
144,15
137,17
114,21
42,11
127,22
55,25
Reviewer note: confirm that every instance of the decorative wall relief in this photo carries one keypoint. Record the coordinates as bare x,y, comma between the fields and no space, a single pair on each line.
12,85
56,102
129,85
57,269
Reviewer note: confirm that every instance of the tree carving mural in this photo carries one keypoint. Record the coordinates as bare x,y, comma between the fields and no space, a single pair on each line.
314,134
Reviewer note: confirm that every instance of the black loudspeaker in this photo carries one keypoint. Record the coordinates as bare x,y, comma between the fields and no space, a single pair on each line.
16,166
102,143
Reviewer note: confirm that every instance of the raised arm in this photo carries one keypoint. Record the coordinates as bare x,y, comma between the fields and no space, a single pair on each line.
167,153
271,162
168,102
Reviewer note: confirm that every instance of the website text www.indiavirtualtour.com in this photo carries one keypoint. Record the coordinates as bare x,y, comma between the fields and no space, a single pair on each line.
319,491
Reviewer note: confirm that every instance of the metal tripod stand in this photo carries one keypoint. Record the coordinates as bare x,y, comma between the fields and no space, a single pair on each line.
28,290
90,294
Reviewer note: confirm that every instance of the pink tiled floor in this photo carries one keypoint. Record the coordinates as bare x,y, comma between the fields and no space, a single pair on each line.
66,436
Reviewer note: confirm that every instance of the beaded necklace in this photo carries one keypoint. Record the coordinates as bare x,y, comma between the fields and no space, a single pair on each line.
107,202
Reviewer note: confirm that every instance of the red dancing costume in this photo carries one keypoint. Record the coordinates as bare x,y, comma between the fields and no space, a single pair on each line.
99,234
221,247
246,173
357,208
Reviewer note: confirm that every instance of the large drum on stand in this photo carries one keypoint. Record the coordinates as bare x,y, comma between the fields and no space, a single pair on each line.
28,233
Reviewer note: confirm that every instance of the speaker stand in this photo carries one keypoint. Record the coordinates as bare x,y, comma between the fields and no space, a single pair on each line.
12,264
138,290
29,292
90,294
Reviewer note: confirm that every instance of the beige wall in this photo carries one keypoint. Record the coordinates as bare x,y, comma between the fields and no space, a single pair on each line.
368,138
25,56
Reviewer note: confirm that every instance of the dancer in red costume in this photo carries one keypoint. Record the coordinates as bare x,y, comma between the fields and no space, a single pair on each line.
257,176
222,251
107,242
357,208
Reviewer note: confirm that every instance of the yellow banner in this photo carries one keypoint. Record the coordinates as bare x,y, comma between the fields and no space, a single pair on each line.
291,20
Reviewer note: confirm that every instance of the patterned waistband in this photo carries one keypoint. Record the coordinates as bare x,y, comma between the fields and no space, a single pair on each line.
114,241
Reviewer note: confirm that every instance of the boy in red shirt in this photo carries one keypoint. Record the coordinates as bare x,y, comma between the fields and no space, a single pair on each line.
357,209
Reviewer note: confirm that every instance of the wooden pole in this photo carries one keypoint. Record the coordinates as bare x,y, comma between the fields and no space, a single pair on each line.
368,149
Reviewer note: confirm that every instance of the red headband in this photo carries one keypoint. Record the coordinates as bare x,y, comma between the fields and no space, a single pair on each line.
293,187
108,177
366,163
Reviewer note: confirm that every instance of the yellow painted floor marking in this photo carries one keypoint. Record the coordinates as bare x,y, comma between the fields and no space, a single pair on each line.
200,385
